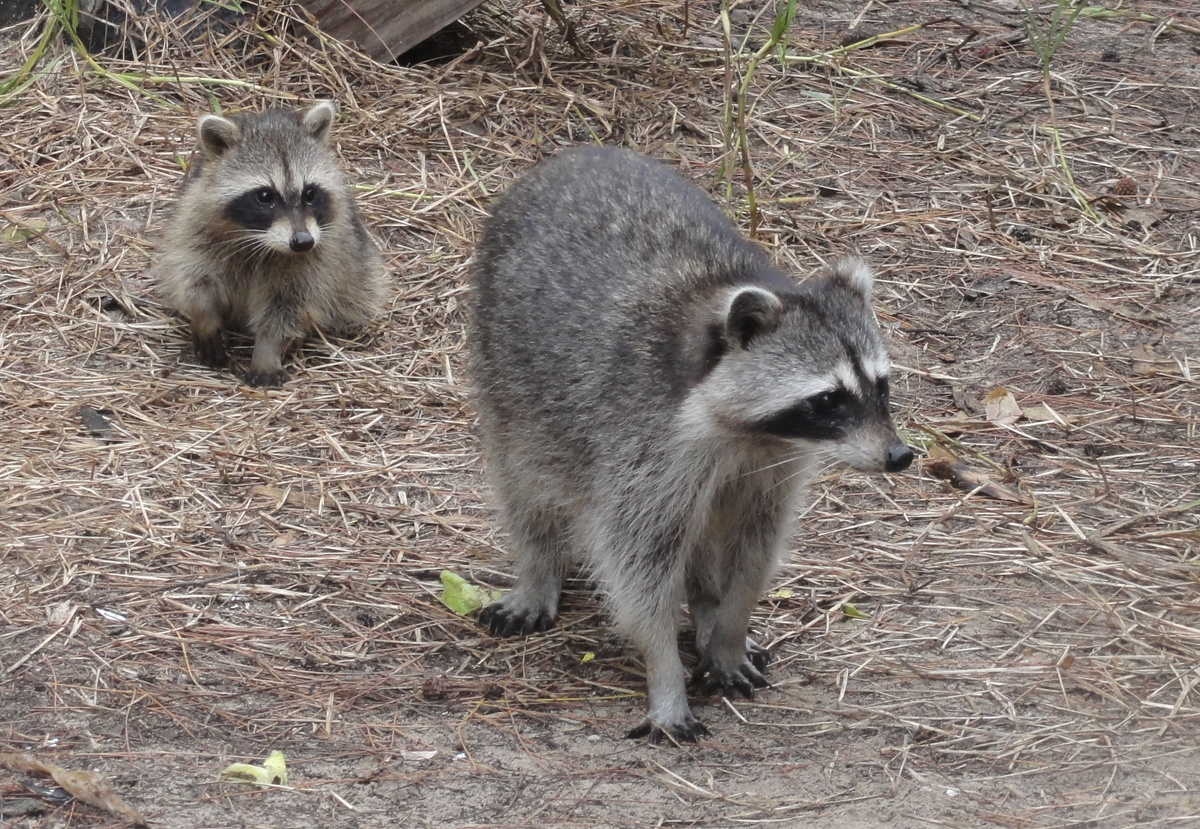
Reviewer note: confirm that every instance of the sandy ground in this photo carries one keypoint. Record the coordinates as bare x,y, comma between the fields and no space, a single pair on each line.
193,572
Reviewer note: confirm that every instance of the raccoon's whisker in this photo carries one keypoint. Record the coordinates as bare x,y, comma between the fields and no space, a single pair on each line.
825,461
802,471
249,243
789,458
243,237
241,232
240,242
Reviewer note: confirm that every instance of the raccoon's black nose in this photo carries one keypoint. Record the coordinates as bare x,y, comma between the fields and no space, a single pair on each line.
898,458
302,241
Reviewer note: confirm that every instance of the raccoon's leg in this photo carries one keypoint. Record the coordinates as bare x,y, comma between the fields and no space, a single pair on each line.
702,606
539,539
732,662
266,363
644,586
666,682
728,580
275,330
703,609
205,314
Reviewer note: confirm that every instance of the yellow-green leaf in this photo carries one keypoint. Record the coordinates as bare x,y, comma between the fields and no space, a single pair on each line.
273,771
853,612
23,232
462,597
276,766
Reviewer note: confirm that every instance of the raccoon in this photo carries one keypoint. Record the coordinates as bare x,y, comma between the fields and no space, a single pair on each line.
652,395
266,239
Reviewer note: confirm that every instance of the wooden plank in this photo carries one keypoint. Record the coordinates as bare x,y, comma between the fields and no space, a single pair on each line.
385,29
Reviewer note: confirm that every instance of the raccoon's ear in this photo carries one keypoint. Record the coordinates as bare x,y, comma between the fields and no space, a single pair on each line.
318,119
217,135
750,312
853,273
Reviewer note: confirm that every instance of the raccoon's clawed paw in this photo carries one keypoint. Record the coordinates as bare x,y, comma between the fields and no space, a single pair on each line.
759,656
505,621
708,678
688,731
266,379
210,349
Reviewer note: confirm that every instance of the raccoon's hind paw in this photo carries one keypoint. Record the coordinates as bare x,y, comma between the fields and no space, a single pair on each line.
506,621
708,678
759,656
688,731
210,349
266,379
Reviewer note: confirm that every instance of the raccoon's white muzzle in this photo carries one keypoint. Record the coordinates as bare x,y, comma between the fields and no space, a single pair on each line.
300,235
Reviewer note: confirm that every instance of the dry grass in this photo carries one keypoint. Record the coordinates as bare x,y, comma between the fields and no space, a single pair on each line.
194,572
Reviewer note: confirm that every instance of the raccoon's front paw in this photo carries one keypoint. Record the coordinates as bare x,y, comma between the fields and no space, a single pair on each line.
688,731
210,349
505,621
708,678
266,379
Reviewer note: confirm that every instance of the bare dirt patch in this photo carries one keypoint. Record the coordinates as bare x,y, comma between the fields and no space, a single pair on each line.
193,572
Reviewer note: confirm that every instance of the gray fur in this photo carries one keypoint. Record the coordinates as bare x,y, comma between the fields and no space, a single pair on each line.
222,275
634,359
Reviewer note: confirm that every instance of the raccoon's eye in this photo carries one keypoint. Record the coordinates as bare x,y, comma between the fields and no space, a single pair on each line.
881,385
309,194
828,402
264,195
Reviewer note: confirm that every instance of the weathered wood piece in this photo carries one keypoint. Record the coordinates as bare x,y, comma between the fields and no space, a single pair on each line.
385,29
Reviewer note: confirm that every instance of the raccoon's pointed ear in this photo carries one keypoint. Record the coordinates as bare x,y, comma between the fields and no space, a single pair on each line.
853,273
319,118
750,312
217,135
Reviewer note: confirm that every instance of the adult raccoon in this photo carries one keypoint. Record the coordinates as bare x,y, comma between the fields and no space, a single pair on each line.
652,395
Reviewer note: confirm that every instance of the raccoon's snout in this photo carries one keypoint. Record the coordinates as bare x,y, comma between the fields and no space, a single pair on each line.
898,458
873,450
301,241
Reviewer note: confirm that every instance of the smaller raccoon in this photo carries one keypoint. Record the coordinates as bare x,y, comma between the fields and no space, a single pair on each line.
652,396
266,239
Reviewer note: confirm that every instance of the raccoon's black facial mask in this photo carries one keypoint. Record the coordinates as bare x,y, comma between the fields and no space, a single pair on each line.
316,199
261,207
255,209
830,415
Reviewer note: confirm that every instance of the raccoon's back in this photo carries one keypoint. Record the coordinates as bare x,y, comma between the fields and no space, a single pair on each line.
581,286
